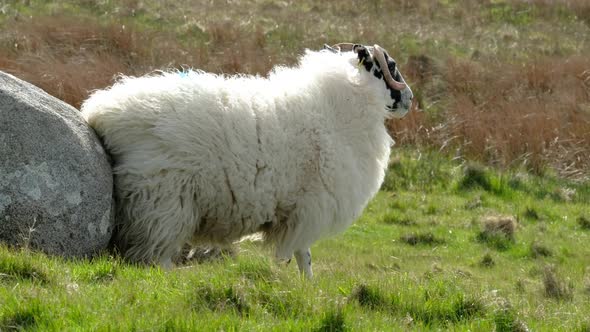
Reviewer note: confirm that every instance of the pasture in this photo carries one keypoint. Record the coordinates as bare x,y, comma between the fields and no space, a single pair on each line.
482,222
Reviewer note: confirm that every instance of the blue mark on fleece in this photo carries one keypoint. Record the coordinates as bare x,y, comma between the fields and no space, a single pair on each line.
188,72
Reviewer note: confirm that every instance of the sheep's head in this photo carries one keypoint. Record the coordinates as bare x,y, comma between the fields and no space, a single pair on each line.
374,59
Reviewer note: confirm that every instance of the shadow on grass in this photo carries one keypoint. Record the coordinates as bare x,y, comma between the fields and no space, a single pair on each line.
584,223
20,268
458,308
428,238
396,219
333,321
429,310
369,297
497,241
23,318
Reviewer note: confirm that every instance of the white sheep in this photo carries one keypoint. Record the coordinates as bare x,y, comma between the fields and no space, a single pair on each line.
207,159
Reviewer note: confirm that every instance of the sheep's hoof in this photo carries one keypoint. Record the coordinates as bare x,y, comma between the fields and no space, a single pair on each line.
303,258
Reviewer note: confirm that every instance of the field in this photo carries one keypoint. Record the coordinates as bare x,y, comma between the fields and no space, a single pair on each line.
483,220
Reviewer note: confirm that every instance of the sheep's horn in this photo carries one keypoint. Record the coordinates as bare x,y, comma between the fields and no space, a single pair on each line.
378,54
344,47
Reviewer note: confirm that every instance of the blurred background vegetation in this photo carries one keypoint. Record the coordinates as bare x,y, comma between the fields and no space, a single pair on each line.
503,82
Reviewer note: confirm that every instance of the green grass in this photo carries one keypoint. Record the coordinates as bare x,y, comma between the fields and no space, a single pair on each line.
419,257
415,260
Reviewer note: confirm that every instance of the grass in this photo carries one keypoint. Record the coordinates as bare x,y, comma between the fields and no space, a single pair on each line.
13,267
500,129
368,278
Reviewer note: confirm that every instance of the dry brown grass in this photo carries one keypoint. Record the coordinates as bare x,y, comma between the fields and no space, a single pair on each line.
500,225
555,287
70,56
536,114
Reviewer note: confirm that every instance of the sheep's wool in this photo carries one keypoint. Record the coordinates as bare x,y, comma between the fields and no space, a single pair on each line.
206,158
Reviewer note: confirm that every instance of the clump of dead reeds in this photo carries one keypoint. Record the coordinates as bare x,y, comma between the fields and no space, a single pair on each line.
555,287
70,56
498,231
535,115
500,225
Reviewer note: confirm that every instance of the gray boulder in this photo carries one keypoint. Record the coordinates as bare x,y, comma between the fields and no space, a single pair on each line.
55,178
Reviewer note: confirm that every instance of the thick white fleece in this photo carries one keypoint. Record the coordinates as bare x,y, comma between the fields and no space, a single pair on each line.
208,158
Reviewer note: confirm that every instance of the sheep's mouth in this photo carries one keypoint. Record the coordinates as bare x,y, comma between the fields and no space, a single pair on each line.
401,106
402,100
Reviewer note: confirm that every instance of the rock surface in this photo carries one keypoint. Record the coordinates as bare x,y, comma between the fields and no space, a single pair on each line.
55,178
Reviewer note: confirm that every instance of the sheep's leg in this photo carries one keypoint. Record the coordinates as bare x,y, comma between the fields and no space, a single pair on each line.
303,257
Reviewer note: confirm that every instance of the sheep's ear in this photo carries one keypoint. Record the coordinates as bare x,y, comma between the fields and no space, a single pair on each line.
331,49
364,57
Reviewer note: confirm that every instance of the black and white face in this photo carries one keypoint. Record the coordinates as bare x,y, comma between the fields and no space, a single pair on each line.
371,58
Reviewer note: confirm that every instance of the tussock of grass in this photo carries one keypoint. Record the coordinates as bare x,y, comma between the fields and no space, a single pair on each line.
333,321
454,309
584,222
539,250
369,297
475,176
100,270
495,240
555,287
427,238
20,321
221,299
21,268
438,305
487,261
27,316
521,286
498,232
531,213
465,308
501,225
563,194
475,203
392,218
519,181
506,320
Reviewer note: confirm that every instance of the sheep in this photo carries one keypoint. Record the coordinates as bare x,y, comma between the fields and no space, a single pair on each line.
205,159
